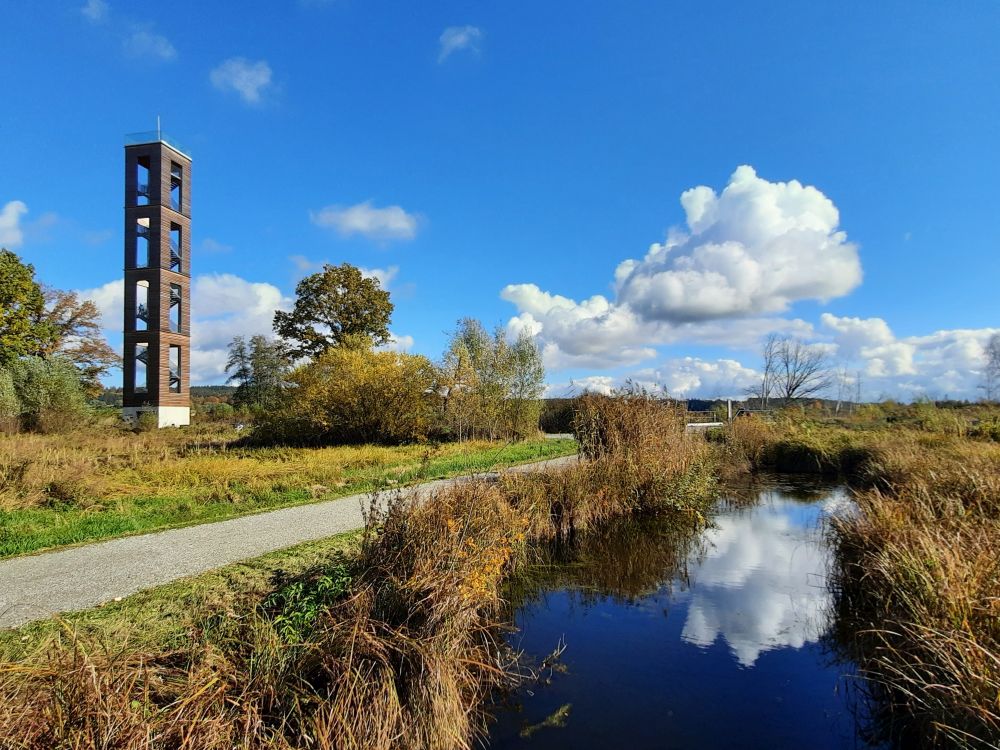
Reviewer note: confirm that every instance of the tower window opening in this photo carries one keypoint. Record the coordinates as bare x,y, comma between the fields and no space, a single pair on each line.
176,185
142,243
142,305
175,247
174,368
142,181
140,381
175,308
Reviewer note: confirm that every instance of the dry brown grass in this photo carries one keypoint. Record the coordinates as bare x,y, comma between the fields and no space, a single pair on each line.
920,583
746,441
638,458
100,466
404,659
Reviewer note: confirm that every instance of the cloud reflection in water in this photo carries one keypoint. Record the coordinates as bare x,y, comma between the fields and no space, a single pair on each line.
761,583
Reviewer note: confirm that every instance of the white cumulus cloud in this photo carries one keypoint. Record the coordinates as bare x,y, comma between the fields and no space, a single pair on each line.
744,257
11,233
384,276
943,363
603,384
693,377
398,343
149,46
679,377
456,38
599,333
754,249
389,223
247,78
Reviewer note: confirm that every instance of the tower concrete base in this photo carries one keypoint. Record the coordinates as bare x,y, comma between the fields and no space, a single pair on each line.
166,416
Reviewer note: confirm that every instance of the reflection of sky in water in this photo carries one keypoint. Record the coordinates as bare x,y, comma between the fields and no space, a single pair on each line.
671,668
761,584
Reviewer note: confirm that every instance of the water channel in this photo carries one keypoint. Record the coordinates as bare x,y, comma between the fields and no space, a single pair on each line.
686,638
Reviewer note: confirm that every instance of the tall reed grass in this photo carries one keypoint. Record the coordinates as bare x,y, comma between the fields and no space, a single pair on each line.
919,585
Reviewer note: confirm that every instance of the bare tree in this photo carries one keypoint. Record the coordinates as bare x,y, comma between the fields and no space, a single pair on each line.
769,360
801,370
991,373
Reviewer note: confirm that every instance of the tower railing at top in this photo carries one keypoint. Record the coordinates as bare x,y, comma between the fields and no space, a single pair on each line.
156,136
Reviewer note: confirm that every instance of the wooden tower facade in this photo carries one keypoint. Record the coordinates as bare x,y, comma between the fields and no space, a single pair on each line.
157,327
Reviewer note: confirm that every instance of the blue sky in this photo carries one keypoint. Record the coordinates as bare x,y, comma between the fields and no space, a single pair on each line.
501,161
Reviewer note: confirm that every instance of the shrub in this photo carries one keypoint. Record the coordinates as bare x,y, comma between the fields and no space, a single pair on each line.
222,411
747,440
146,422
353,395
49,392
637,443
10,406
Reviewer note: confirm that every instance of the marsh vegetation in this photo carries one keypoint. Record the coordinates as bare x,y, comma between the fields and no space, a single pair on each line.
398,644
399,637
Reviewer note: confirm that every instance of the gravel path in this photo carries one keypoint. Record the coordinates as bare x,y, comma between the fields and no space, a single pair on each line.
36,586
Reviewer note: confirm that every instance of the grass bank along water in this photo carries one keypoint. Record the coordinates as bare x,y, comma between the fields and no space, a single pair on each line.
66,489
918,574
398,645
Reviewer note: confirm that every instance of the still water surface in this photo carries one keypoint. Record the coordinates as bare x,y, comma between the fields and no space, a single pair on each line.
690,639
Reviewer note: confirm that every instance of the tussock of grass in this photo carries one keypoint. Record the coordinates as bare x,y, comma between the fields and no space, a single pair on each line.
406,656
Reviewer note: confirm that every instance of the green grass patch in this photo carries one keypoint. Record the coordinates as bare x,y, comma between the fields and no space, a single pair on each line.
55,524
162,618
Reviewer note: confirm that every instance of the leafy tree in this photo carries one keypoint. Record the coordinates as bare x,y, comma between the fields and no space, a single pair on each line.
23,329
43,322
77,337
259,369
526,379
455,383
338,305
490,386
238,365
353,395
